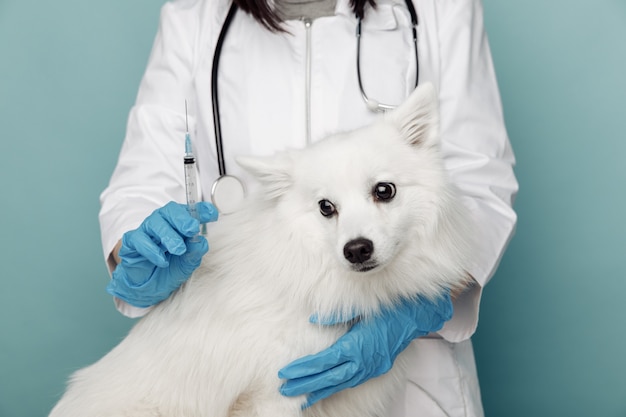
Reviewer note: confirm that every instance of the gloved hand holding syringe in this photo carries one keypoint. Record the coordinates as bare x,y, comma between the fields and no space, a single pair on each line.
158,257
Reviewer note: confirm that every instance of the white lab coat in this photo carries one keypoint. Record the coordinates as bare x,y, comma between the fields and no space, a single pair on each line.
266,98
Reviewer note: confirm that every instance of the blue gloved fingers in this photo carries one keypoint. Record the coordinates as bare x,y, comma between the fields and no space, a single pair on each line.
207,212
164,230
131,289
444,306
314,364
196,249
160,255
328,378
142,284
430,315
127,278
341,318
184,265
168,225
138,247
178,216
367,350
172,222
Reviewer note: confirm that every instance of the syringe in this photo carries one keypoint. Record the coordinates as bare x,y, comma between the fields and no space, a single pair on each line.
191,184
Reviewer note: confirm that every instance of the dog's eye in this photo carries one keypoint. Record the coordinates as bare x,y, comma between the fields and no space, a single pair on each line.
384,191
327,208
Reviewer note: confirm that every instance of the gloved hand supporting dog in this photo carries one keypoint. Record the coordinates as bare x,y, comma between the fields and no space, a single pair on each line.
159,256
367,350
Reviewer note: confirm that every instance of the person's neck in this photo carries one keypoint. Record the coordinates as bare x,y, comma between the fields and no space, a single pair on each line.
304,9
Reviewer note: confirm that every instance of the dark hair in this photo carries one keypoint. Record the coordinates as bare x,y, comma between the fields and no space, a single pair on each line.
263,13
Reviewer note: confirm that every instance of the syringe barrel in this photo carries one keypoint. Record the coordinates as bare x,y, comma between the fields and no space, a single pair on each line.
191,187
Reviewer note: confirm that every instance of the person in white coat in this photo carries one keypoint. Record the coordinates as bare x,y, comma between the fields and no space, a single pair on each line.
288,73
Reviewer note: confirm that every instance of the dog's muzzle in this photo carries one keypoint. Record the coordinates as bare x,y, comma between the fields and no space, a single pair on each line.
359,253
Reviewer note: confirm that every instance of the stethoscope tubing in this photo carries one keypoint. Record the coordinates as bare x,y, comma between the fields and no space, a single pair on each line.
217,124
374,105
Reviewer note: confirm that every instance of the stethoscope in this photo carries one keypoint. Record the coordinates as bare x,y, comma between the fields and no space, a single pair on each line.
228,191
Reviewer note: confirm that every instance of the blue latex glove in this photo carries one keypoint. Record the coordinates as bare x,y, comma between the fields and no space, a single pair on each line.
159,256
367,350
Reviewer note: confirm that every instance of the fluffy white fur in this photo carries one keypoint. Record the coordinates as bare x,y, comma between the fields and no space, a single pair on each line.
214,348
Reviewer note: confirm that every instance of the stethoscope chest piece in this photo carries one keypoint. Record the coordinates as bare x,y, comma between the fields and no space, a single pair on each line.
227,194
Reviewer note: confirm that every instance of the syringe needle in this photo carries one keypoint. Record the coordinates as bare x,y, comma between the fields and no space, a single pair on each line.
186,120
188,150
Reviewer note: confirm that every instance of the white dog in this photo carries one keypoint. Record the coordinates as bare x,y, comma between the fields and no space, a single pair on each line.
345,226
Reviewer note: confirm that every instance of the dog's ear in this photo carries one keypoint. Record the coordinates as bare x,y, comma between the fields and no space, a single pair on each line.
273,172
418,116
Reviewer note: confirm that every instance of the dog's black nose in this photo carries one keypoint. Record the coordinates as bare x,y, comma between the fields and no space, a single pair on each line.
358,250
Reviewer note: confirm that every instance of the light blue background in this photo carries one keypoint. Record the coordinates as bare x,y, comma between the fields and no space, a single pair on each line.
552,337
